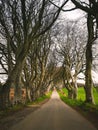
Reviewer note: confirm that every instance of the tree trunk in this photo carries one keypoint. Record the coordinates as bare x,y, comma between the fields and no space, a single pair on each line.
12,81
74,87
4,96
88,75
70,94
75,93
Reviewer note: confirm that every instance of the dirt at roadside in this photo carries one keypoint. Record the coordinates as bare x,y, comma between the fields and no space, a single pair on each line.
93,118
90,116
16,117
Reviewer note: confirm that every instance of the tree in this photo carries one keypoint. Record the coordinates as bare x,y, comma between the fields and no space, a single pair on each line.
90,7
36,75
89,83
21,22
72,49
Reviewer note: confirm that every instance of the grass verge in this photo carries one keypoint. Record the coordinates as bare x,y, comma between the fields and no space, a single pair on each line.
10,110
87,110
42,99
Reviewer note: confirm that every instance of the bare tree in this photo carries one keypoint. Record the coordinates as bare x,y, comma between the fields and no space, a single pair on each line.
35,69
88,74
21,22
90,7
72,50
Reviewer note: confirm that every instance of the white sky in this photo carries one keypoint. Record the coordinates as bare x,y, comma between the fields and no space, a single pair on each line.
82,76
73,15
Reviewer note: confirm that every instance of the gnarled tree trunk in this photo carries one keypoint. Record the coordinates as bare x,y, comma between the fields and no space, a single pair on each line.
12,81
88,75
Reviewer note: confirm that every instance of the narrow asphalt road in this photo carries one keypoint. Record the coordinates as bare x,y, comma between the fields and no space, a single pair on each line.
54,115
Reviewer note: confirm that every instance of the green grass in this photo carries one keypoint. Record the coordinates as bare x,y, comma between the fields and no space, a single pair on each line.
41,99
67,100
95,91
81,94
80,100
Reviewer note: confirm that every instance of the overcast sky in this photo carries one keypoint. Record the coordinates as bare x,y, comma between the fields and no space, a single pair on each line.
75,14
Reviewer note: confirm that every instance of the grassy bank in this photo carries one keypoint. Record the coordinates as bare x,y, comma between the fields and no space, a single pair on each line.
86,109
79,102
15,108
81,94
41,99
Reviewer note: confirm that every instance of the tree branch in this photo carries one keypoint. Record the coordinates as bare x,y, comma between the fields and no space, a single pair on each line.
54,19
62,8
84,8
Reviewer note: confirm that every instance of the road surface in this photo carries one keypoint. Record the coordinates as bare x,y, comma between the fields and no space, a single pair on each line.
54,115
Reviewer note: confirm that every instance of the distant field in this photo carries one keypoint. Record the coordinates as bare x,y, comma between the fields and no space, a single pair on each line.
81,94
